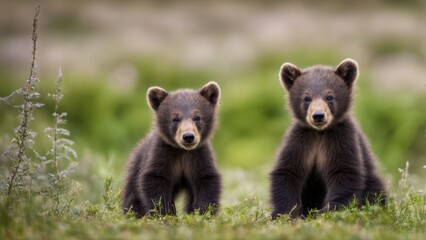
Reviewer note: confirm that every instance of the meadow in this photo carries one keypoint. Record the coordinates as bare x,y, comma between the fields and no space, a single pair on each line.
79,196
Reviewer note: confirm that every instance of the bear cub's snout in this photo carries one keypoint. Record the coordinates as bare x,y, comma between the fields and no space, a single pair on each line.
187,135
318,114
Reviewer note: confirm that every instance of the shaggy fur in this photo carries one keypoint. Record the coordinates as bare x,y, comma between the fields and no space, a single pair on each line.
324,161
176,155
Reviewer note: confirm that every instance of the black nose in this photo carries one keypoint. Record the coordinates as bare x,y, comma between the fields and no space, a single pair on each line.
318,117
188,137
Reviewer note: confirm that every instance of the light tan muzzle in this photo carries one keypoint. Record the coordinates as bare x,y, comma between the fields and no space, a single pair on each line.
187,135
319,115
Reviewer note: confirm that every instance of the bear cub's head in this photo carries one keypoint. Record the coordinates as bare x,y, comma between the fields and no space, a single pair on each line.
319,96
185,118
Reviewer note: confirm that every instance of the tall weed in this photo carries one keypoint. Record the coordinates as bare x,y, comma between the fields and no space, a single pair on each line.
33,184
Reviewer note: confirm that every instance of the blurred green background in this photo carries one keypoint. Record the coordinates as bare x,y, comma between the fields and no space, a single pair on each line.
111,52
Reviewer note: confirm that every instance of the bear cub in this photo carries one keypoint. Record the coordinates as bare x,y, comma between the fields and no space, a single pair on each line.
176,155
324,161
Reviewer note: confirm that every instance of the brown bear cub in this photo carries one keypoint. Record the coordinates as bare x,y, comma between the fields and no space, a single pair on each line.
176,155
324,161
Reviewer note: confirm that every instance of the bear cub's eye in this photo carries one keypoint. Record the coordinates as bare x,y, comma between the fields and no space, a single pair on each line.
307,99
176,120
329,98
197,119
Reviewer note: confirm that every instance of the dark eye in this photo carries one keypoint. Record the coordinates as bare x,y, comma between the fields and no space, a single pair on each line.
329,98
197,119
307,99
176,120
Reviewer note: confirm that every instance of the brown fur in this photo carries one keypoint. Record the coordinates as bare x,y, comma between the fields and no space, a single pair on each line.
324,161
176,155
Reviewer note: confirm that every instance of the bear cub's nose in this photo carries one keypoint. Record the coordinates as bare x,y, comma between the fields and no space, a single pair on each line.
188,137
318,117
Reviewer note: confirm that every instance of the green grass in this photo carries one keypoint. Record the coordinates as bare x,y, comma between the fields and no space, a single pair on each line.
242,216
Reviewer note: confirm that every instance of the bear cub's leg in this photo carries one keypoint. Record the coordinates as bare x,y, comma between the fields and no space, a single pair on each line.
158,195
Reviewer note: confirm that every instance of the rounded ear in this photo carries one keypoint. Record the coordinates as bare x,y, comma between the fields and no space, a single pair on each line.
288,74
211,92
155,96
348,71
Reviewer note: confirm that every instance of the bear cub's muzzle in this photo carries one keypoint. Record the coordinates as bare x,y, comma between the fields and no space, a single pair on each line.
187,135
319,115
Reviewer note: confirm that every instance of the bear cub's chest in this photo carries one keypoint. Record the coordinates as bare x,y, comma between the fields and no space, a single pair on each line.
183,166
317,153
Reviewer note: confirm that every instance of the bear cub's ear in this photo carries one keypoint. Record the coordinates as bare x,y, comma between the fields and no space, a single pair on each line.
348,71
155,96
288,74
211,92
